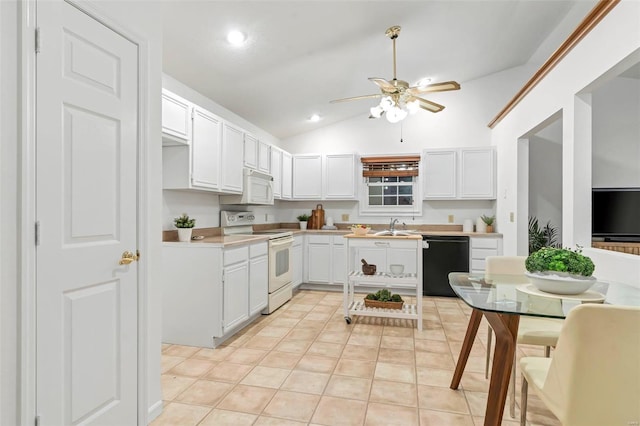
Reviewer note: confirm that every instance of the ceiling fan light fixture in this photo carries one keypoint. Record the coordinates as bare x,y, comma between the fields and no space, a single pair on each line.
376,111
413,106
236,38
386,103
395,114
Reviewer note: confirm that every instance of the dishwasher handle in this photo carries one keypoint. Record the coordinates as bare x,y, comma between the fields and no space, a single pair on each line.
425,244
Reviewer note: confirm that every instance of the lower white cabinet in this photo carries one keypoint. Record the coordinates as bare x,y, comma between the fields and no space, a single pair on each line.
480,249
235,308
325,259
258,278
297,262
338,266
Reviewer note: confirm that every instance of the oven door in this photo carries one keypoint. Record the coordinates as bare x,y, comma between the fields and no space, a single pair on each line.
279,263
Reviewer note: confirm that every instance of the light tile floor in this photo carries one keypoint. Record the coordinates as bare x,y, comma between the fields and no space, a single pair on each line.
304,365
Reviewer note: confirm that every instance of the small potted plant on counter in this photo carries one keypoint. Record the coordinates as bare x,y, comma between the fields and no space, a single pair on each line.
488,220
560,271
303,218
185,227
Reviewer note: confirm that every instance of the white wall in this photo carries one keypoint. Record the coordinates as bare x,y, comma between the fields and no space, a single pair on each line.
610,48
545,176
616,134
137,18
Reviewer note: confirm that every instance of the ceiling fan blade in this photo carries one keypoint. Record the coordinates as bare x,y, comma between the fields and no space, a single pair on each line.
436,87
355,98
428,105
384,84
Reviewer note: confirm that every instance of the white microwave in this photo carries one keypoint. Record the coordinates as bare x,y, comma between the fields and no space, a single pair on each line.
257,189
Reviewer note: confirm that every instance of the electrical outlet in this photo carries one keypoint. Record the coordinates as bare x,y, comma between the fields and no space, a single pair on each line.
345,218
451,218
512,217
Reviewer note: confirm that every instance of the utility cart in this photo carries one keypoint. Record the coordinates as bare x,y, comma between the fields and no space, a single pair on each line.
384,251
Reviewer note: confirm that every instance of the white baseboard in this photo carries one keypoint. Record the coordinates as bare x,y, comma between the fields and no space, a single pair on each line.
154,411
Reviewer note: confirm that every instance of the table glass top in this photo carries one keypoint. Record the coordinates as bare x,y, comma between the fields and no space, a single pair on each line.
514,294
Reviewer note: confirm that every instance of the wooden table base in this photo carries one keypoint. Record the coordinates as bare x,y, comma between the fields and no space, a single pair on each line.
505,328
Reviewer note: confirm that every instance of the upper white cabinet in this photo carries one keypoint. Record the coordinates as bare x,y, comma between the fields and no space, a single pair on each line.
176,119
319,177
250,151
195,166
477,173
232,158
461,173
440,174
307,176
287,175
339,176
264,157
276,171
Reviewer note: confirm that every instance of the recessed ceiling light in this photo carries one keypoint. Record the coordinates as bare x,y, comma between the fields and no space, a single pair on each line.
314,118
236,38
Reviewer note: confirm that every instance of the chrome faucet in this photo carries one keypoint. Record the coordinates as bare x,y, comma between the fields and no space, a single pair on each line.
392,225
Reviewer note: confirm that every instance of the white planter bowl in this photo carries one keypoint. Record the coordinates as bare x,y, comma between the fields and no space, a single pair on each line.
560,282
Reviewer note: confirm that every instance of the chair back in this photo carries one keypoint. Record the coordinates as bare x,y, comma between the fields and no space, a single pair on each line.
508,265
594,376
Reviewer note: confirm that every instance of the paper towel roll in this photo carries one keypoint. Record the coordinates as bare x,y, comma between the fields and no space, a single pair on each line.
467,226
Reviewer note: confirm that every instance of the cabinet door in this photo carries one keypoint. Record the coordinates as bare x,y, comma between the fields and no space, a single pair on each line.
296,265
232,152
339,176
236,295
439,169
258,284
250,151
176,119
477,173
276,171
287,171
307,177
338,265
264,157
318,262
205,149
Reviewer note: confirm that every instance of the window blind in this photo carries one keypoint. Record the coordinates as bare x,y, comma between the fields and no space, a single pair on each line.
390,166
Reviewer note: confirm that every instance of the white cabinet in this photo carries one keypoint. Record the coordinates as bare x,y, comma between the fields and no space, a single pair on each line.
250,151
477,173
461,173
232,159
319,177
383,253
339,176
235,287
307,177
440,174
258,278
276,171
287,174
195,166
264,157
297,262
338,267
176,119
480,249
318,258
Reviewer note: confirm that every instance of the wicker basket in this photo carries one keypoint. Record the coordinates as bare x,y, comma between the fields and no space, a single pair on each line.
386,305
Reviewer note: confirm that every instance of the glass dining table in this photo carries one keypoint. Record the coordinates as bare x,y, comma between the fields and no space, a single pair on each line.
502,299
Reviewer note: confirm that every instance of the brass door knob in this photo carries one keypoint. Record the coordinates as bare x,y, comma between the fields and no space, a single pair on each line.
128,257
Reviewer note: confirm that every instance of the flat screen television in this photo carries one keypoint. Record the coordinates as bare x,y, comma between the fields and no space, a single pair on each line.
615,214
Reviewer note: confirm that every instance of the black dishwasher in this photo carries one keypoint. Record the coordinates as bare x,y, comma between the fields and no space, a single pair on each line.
440,256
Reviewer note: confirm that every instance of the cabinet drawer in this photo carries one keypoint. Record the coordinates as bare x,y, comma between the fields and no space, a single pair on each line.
484,243
338,240
384,243
235,255
477,265
259,249
482,253
319,239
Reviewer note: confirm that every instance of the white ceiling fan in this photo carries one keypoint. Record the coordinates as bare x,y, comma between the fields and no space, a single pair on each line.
397,97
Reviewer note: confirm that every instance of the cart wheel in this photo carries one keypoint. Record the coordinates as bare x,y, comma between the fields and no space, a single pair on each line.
347,320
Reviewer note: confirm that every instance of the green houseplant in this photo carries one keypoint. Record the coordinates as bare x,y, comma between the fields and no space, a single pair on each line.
560,270
383,299
185,227
539,237
488,220
303,218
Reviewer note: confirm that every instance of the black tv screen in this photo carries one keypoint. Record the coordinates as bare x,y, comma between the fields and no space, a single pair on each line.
616,214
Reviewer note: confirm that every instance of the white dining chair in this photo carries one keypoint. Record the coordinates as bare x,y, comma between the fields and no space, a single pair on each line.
593,378
531,330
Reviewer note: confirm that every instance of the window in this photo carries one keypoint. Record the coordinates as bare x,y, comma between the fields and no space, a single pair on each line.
390,186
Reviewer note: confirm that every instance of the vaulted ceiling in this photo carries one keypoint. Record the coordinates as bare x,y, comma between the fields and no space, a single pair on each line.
302,54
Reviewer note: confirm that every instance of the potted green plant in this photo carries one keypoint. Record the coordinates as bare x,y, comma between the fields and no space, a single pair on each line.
560,270
185,226
488,220
383,299
303,218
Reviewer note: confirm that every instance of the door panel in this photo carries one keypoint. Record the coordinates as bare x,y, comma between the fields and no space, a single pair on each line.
86,204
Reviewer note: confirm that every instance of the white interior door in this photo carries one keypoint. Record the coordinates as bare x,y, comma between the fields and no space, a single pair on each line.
86,205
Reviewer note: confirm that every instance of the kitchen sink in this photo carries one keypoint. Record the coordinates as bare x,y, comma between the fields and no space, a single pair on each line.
395,233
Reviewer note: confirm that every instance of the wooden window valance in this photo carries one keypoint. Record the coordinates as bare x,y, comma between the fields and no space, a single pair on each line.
407,165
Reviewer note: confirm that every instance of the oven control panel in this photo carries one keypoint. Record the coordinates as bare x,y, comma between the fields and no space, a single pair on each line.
228,218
